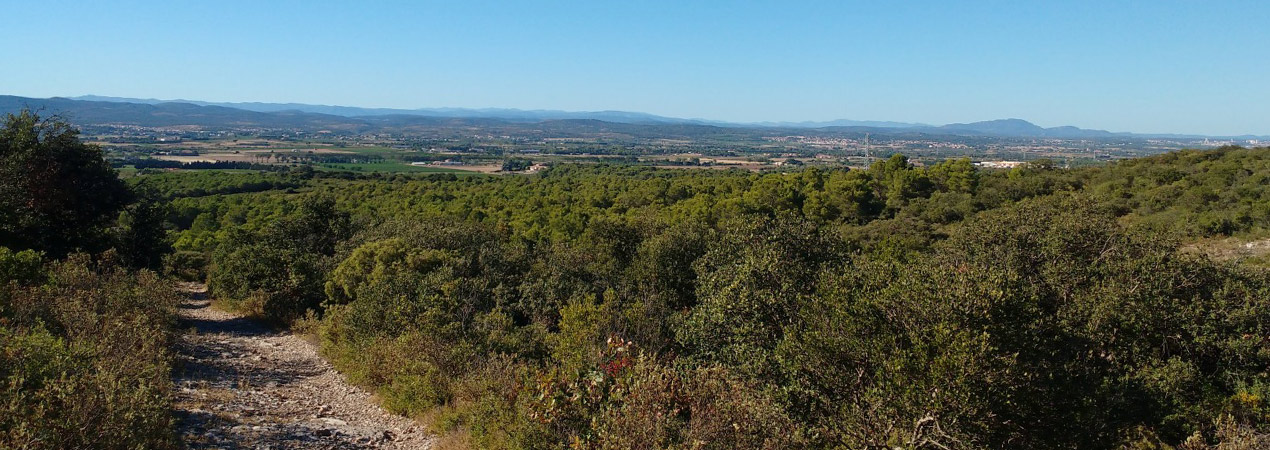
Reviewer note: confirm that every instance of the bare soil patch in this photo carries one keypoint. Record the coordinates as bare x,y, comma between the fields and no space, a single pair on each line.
244,385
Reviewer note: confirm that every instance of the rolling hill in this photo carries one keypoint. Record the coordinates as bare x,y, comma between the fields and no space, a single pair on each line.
97,110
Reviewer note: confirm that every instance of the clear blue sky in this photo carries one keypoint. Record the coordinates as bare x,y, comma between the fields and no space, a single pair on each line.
1144,66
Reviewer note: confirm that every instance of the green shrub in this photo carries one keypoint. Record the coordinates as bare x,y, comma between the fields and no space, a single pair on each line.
186,265
24,267
85,360
899,306
280,271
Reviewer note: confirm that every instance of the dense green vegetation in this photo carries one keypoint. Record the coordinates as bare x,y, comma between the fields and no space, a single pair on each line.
56,193
630,307
85,355
601,306
85,337
392,166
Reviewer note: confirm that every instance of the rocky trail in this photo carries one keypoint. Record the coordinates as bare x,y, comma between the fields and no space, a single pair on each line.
240,384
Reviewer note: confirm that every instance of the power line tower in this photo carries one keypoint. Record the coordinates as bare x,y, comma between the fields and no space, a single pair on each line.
868,151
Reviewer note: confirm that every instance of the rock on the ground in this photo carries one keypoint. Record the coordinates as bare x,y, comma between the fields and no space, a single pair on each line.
243,385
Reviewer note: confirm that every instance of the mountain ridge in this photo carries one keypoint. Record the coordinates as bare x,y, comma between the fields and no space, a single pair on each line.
512,114
155,112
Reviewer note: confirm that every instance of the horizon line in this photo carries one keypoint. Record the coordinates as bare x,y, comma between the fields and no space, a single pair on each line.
900,124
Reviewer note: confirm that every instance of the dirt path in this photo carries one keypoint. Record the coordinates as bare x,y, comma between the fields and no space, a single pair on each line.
243,385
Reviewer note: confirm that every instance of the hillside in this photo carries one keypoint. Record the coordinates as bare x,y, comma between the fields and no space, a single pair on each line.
176,115
1022,128
619,306
97,110
616,296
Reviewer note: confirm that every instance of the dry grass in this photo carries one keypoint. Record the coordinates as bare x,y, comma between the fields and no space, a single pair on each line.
454,440
1249,251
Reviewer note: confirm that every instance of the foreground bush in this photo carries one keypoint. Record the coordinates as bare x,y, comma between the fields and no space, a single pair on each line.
85,358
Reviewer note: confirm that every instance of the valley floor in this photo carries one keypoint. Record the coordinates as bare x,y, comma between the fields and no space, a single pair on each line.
242,385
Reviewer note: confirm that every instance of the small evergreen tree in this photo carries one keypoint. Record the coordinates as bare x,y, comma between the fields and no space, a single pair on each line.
57,194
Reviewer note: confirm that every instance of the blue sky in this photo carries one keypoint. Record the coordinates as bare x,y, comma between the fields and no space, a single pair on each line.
1145,66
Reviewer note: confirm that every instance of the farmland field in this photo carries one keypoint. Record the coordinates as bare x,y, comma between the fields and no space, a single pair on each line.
393,166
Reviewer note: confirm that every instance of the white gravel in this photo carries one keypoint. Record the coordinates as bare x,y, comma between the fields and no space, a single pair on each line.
240,384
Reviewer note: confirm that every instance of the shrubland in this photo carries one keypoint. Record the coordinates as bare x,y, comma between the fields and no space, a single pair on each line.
620,307
85,328
897,306
85,355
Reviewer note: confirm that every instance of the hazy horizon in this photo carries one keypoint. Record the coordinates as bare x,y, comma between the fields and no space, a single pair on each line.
705,120
1155,68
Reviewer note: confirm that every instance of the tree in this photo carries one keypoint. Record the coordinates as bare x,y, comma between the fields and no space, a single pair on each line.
850,197
57,194
516,164
315,228
279,271
955,175
139,235
899,181
750,285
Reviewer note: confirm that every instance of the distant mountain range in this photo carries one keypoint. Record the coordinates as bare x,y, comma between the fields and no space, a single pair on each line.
170,114
98,110
352,111
1020,127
